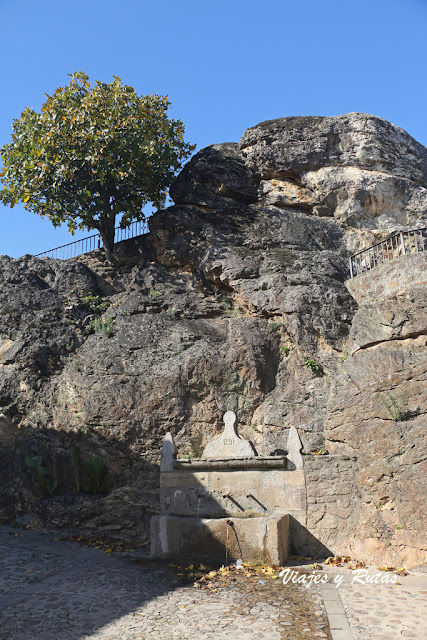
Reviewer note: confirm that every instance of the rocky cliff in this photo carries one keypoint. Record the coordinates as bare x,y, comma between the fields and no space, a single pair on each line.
236,299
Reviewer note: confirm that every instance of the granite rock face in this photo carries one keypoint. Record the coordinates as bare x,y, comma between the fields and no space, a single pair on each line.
378,411
216,172
236,300
291,146
364,171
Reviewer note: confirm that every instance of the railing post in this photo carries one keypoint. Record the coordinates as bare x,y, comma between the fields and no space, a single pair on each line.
402,242
351,267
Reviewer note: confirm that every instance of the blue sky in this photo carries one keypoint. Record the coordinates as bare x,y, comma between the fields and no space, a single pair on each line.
225,65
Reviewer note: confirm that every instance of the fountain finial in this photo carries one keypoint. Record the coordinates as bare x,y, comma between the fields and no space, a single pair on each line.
169,452
229,445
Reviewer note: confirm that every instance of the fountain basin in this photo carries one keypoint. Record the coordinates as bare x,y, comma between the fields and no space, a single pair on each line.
257,540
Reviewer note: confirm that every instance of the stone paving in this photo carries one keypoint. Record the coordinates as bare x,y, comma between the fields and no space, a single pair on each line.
55,590
58,591
386,611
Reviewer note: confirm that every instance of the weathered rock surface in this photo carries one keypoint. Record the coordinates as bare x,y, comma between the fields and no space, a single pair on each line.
235,300
289,146
377,411
218,171
364,171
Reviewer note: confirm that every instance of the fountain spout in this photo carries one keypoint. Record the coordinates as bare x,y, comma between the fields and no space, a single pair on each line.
249,495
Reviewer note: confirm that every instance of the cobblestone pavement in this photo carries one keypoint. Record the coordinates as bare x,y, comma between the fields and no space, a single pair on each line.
58,591
376,611
386,611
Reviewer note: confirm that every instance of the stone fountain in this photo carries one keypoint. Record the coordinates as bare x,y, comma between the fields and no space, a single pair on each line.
230,503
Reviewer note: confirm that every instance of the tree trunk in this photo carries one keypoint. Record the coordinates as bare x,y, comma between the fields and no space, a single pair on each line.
107,230
107,234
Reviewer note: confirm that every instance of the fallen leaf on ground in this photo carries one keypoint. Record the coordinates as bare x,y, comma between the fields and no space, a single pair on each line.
106,544
337,560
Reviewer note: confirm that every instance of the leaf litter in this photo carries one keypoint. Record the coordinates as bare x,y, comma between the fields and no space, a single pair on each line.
105,544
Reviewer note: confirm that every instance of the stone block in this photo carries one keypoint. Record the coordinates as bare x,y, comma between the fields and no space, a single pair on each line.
294,448
169,452
229,444
255,540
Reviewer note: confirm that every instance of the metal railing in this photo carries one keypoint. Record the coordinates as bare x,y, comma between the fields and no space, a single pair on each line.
91,243
399,244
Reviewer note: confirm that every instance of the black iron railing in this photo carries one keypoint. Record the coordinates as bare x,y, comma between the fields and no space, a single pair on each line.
399,244
86,245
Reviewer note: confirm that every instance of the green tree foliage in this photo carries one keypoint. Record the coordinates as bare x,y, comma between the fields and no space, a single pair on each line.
93,152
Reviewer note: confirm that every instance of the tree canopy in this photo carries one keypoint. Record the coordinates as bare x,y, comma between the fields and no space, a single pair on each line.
92,153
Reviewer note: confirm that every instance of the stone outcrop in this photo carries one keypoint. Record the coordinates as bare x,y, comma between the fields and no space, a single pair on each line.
364,171
377,411
235,300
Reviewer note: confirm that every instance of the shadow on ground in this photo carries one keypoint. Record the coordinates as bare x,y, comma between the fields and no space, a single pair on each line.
54,590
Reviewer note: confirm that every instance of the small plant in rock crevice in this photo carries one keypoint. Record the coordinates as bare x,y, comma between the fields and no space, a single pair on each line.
231,311
234,313
397,410
45,485
107,326
70,346
91,476
314,366
95,476
344,356
96,303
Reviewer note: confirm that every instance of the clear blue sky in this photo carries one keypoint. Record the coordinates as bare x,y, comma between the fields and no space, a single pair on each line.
226,65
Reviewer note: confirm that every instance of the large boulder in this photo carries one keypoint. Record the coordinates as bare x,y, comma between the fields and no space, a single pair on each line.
287,147
364,171
215,172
